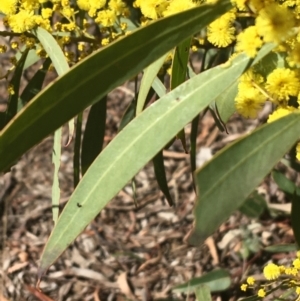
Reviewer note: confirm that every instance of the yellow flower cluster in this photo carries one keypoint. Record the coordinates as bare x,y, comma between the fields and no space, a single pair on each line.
245,28
283,277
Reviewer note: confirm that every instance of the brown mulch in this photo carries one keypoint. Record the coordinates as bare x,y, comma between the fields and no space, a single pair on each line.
129,252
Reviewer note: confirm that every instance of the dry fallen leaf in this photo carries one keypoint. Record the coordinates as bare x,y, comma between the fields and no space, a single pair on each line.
125,287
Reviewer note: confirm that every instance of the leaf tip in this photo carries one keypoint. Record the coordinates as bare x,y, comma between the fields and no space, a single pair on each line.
40,273
194,238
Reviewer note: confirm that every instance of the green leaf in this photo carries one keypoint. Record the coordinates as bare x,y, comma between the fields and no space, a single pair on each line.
179,64
94,77
35,84
215,114
60,63
31,58
77,148
128,115
254,206
284,183
291,162
217,281
94,134
284,248
160,175
193,142
225,102
12,106
131,109
2,119
203,293
179,74
53,50
55,184
149,75
270,62
159,87
225,182
132,148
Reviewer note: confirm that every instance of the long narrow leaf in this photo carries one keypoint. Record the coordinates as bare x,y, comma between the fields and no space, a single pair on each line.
31,58
97,75
179,64
55,183
179,74
225,102
193,141
35,84
225,182
160,175
12,106
53,50
128,115
60,63
148,77
125,155
94,134
77,148
217,281
159,87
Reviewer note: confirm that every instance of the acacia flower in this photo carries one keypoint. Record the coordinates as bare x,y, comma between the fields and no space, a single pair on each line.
106,17
249,41
8,7
280,112
249,102
275,22
296,263
118,6
291,271
177,6
271,271
11,90
14,45
283,83
298,151
240,4
221,32
152,9
250,280
46,13
30,5
293,57
22,21
3,48
261,293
